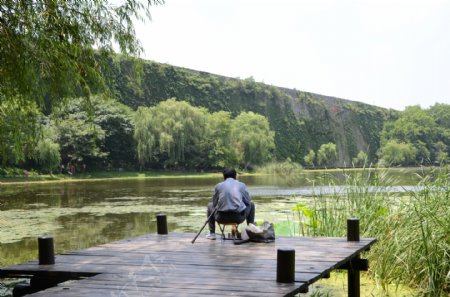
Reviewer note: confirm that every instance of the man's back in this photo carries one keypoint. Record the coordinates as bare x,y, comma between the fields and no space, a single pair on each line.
231,203
231,196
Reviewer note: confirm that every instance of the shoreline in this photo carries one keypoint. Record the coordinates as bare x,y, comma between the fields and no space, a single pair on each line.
105,175
44,179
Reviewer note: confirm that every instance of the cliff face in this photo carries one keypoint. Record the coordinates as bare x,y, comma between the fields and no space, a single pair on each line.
301,120
352,126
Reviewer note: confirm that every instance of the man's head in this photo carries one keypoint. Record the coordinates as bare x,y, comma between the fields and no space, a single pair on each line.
229,172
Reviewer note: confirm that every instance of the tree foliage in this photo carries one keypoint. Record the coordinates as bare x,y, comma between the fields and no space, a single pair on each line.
170,132
180,129
221,150
102,137
144,135
398,153
51,50
310,158
48,155
19,130
327,154
427,131
360,159
58,48
253,138
441,114
175,134
78,139
116,120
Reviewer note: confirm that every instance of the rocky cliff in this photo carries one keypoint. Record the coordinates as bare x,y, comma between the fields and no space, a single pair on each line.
301,120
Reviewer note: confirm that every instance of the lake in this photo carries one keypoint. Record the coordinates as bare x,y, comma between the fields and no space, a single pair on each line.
88,213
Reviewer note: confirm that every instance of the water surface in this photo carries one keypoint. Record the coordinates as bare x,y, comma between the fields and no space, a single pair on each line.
84,214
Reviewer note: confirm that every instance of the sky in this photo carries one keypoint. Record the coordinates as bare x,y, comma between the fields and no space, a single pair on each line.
388,53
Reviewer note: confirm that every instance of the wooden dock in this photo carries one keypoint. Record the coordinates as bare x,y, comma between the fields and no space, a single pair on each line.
169,265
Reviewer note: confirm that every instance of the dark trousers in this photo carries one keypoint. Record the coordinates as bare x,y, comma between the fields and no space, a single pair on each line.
230,217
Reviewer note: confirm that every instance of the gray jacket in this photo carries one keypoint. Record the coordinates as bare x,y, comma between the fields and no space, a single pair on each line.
231,196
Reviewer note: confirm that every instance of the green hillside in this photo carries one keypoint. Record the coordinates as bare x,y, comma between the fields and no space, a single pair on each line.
301,120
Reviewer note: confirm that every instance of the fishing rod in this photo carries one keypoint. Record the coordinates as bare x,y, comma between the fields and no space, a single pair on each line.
207,220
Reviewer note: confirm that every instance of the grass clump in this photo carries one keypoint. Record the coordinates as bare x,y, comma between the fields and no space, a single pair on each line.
287,167
412,227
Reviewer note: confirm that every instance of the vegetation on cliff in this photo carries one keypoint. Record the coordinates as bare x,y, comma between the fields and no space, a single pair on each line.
301,121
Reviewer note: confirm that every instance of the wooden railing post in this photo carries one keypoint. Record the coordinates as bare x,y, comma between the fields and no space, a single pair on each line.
285,265
353,277
46,250
161,224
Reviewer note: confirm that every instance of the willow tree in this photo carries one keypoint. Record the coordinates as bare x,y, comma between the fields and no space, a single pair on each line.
181,128
19,131
327,154
221,150
55,48
172,132
50,50
309,158
253,138
144,135
360,159
48,155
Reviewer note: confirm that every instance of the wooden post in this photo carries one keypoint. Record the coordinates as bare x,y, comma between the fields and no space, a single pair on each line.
353,277
46,250
21,290
353,229
161,224
285,265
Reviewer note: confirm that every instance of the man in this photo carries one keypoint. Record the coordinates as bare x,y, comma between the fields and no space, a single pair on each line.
232,203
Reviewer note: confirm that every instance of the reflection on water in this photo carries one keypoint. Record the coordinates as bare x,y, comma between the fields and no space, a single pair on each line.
85,214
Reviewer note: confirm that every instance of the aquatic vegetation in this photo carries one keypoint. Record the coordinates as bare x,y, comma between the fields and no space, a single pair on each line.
412,228
285,168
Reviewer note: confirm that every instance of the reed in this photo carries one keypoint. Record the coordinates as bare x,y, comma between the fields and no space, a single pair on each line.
284,168
412,227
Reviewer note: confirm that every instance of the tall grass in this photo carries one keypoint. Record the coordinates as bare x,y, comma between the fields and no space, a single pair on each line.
287,167
412,228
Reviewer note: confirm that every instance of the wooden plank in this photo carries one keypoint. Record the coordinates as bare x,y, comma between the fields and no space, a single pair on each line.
220,284
208,272
219,287
169,265
114,292
156,242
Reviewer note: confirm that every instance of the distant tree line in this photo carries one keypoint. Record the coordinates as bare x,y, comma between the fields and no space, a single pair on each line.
177,135
417,136
412,137
170,135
